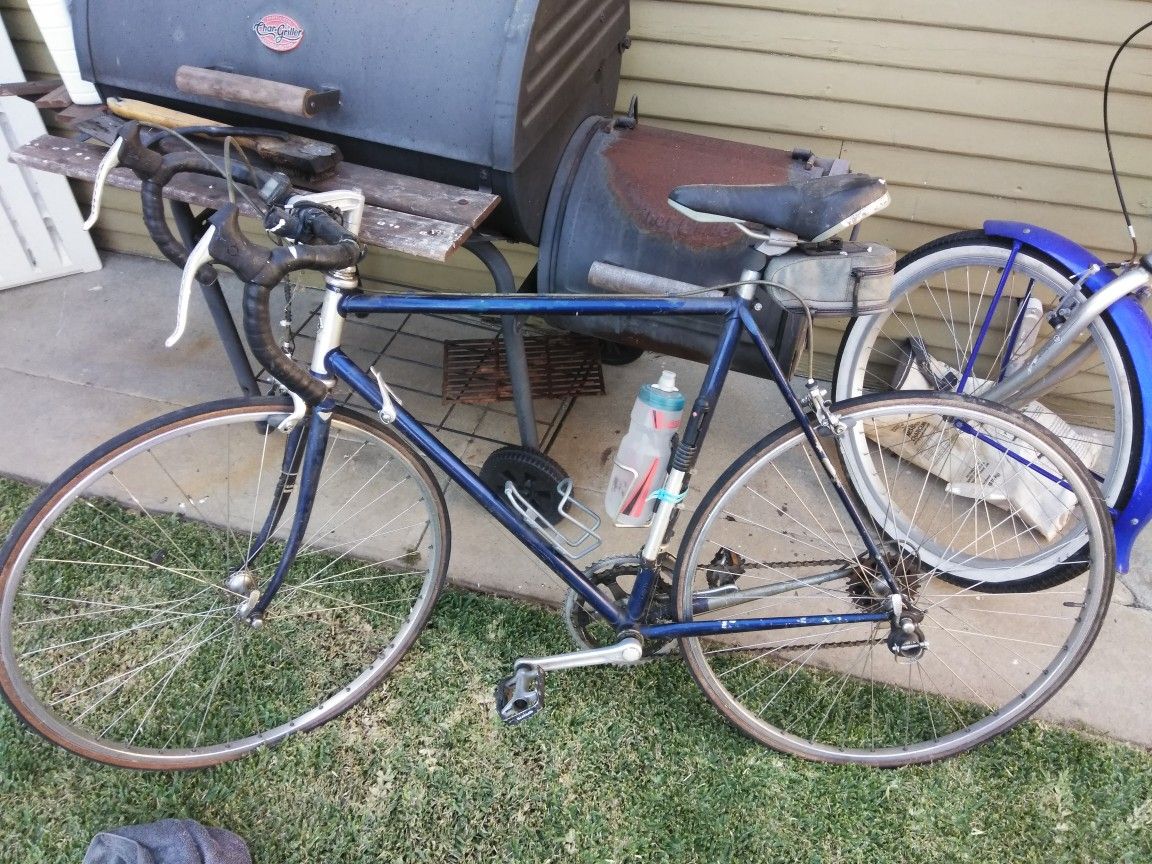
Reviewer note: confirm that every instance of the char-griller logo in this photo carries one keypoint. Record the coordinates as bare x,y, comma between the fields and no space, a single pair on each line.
278,32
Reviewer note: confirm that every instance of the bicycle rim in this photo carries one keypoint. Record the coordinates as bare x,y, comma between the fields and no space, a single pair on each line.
120,637
942,295
772,539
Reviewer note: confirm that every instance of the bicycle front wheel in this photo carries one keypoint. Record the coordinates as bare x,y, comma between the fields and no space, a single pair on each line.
943,308
121,586
773,539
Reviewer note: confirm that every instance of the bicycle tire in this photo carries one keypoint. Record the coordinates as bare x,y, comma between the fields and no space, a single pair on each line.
773,530
534,474
940,295
162,672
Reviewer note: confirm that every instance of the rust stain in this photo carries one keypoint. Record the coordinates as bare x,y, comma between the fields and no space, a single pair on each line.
646,163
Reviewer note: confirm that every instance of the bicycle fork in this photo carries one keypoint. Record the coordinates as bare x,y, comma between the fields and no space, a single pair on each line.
304,453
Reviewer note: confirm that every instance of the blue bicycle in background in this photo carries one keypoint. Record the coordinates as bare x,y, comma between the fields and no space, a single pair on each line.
1024,316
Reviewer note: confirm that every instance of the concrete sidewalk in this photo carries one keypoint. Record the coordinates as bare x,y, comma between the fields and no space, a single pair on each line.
84,358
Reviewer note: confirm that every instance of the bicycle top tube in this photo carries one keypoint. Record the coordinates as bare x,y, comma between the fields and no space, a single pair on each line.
528,304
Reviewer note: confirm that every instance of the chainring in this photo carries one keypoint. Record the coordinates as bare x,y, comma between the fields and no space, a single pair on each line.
589,630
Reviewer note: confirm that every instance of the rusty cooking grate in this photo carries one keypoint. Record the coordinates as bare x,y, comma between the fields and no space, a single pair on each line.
560,366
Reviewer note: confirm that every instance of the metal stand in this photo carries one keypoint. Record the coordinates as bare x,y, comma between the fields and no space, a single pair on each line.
218,307
513,331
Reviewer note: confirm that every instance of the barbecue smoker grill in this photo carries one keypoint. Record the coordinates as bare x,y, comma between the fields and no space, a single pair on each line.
511,96
482,94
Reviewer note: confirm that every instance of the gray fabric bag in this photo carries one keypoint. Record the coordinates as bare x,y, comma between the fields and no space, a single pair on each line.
169,841
834,278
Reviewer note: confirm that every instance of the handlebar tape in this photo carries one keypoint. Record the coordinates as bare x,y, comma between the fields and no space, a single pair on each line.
262,271
156,171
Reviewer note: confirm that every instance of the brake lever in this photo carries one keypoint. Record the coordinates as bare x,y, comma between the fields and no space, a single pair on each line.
110,161
198,257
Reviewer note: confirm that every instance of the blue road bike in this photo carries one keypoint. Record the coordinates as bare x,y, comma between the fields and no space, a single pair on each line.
217,579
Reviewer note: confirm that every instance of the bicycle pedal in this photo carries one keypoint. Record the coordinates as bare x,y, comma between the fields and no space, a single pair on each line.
520,695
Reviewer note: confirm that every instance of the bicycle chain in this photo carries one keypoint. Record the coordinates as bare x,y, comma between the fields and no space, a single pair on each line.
826,562
780,565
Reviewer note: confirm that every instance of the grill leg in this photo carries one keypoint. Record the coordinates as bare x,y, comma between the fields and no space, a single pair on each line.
218,307
513,331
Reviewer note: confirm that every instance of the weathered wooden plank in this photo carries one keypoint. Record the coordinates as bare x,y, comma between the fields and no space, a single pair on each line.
412,195
121,228
389,190
399,232
30,89
54,100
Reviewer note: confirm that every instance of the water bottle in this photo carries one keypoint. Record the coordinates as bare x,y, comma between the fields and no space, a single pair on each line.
641,463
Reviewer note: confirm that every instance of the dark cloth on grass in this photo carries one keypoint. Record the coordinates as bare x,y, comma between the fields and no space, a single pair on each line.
169,841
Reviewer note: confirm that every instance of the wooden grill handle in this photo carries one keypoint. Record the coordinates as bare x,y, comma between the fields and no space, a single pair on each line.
260,92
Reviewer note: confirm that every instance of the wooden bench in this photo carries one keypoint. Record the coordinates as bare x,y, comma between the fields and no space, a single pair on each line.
403,214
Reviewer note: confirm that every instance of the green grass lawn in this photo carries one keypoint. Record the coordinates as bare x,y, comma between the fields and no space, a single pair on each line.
623,765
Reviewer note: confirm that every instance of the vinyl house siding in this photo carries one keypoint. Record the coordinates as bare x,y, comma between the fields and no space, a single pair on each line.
971,109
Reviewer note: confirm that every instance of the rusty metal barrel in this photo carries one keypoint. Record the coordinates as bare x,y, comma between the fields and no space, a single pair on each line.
609,202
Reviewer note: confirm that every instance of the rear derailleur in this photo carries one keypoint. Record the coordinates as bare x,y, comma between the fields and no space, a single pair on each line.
870,592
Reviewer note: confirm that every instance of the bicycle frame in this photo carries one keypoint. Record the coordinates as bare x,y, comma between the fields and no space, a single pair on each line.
1134,327
331,362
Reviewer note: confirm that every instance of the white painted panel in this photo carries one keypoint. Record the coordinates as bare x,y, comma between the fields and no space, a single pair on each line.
40,225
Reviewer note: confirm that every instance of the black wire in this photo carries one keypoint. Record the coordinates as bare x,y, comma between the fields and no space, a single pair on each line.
1108,138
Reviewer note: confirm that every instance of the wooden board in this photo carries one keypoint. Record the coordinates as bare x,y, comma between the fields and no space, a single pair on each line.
394,230
411,194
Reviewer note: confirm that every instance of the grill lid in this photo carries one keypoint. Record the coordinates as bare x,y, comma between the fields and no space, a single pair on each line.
481,93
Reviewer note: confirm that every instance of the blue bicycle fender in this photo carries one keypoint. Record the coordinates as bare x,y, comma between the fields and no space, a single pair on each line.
1131,321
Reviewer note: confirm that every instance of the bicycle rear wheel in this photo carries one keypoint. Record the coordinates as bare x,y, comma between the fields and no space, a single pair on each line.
120,637
942,300
771,538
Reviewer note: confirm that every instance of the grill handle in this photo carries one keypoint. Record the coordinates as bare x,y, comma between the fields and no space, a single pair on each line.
260,92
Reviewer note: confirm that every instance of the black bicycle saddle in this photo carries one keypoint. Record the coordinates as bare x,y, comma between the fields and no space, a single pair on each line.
813,210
